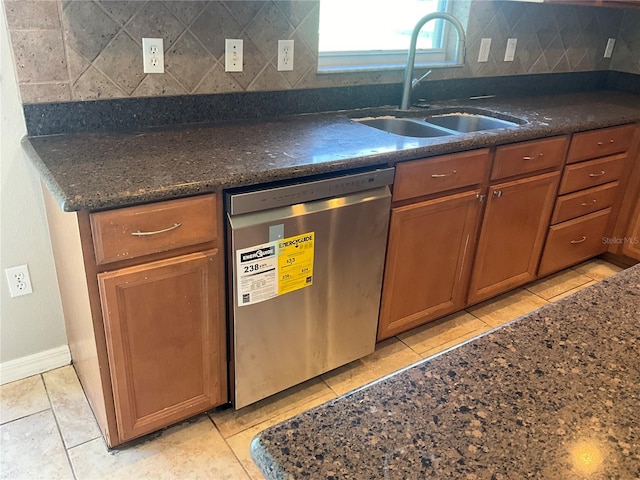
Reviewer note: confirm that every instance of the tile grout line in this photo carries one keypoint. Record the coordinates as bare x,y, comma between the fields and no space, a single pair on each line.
227,444
55,419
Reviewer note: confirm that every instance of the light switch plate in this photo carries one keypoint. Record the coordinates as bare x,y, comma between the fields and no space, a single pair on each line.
608,51
232,55
485,46
510,52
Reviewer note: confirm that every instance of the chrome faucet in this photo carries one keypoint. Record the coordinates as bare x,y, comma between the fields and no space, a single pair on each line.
458,61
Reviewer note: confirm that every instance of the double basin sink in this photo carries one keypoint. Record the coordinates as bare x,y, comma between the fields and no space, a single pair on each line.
442,124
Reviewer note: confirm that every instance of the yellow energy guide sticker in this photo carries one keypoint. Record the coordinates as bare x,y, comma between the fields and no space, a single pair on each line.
295,262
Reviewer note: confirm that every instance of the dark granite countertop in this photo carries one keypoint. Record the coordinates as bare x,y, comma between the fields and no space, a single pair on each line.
92,171
552,395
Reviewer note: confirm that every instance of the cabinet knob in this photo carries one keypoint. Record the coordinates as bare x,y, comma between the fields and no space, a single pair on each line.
497,193
442,175
597,174
168,229
579,241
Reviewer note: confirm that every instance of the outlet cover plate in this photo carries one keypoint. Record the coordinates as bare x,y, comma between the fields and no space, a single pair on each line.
285,55
153,55
18,280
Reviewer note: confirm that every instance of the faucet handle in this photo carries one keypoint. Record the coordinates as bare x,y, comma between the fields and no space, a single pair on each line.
416,81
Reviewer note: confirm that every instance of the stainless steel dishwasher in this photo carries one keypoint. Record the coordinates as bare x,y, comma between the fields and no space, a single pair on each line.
306,264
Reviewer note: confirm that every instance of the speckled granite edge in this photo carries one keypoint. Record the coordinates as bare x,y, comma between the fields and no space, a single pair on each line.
94,171
532,399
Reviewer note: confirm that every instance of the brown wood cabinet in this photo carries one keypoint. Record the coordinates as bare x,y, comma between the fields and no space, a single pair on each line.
512,234
143,296
163,327
431,241
589,197
429,255
631,240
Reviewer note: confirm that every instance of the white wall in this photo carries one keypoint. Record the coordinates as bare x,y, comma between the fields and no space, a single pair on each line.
32,333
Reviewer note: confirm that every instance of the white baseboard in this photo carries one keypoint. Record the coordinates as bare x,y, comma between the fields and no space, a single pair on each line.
33,364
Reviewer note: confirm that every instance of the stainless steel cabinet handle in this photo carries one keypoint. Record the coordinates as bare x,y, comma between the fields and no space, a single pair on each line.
579,241
532,157
441,175
597,174
497,193
602,143
586,204
142,234
480,197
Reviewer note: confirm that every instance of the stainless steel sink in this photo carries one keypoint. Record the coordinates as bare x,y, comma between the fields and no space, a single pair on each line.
405,127
469,122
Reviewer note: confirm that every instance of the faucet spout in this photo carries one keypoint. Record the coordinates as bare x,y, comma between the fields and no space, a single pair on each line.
458,60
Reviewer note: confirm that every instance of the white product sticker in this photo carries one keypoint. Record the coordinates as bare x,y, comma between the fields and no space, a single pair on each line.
257,273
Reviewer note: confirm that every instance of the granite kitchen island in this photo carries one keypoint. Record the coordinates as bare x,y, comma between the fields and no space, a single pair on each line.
553,395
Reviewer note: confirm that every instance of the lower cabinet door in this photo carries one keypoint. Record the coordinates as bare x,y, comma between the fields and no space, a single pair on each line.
428,260
163,329
512,235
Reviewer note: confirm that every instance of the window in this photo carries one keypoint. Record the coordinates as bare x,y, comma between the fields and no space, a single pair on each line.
375,34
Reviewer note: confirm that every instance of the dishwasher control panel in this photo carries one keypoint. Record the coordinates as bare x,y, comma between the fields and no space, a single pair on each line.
305,191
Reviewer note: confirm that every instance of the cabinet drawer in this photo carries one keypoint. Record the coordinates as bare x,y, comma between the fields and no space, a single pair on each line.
136,231
598,143
432,175
571,242
592,173
527,157
583,202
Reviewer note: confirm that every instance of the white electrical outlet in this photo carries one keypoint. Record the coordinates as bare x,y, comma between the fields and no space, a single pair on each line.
485,46
510,52
285,55
608,51
232,55
19,281
153,55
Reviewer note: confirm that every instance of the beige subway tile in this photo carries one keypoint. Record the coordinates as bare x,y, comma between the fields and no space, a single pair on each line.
557,284
390,356
22,398
507,307
291,401
32,448
572,291
193,449
597,269
70,407
443,333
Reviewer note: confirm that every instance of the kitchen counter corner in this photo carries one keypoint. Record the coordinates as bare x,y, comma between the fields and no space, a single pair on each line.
551,395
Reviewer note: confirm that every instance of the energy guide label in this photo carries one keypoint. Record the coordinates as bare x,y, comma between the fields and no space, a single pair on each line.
295,263
275,268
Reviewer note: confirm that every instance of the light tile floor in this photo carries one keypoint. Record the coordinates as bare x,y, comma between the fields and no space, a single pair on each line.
47,430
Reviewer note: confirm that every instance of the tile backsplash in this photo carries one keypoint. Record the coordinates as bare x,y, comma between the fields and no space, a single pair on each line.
90,49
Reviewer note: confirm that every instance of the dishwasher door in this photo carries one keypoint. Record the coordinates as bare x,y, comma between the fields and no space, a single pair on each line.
295,336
